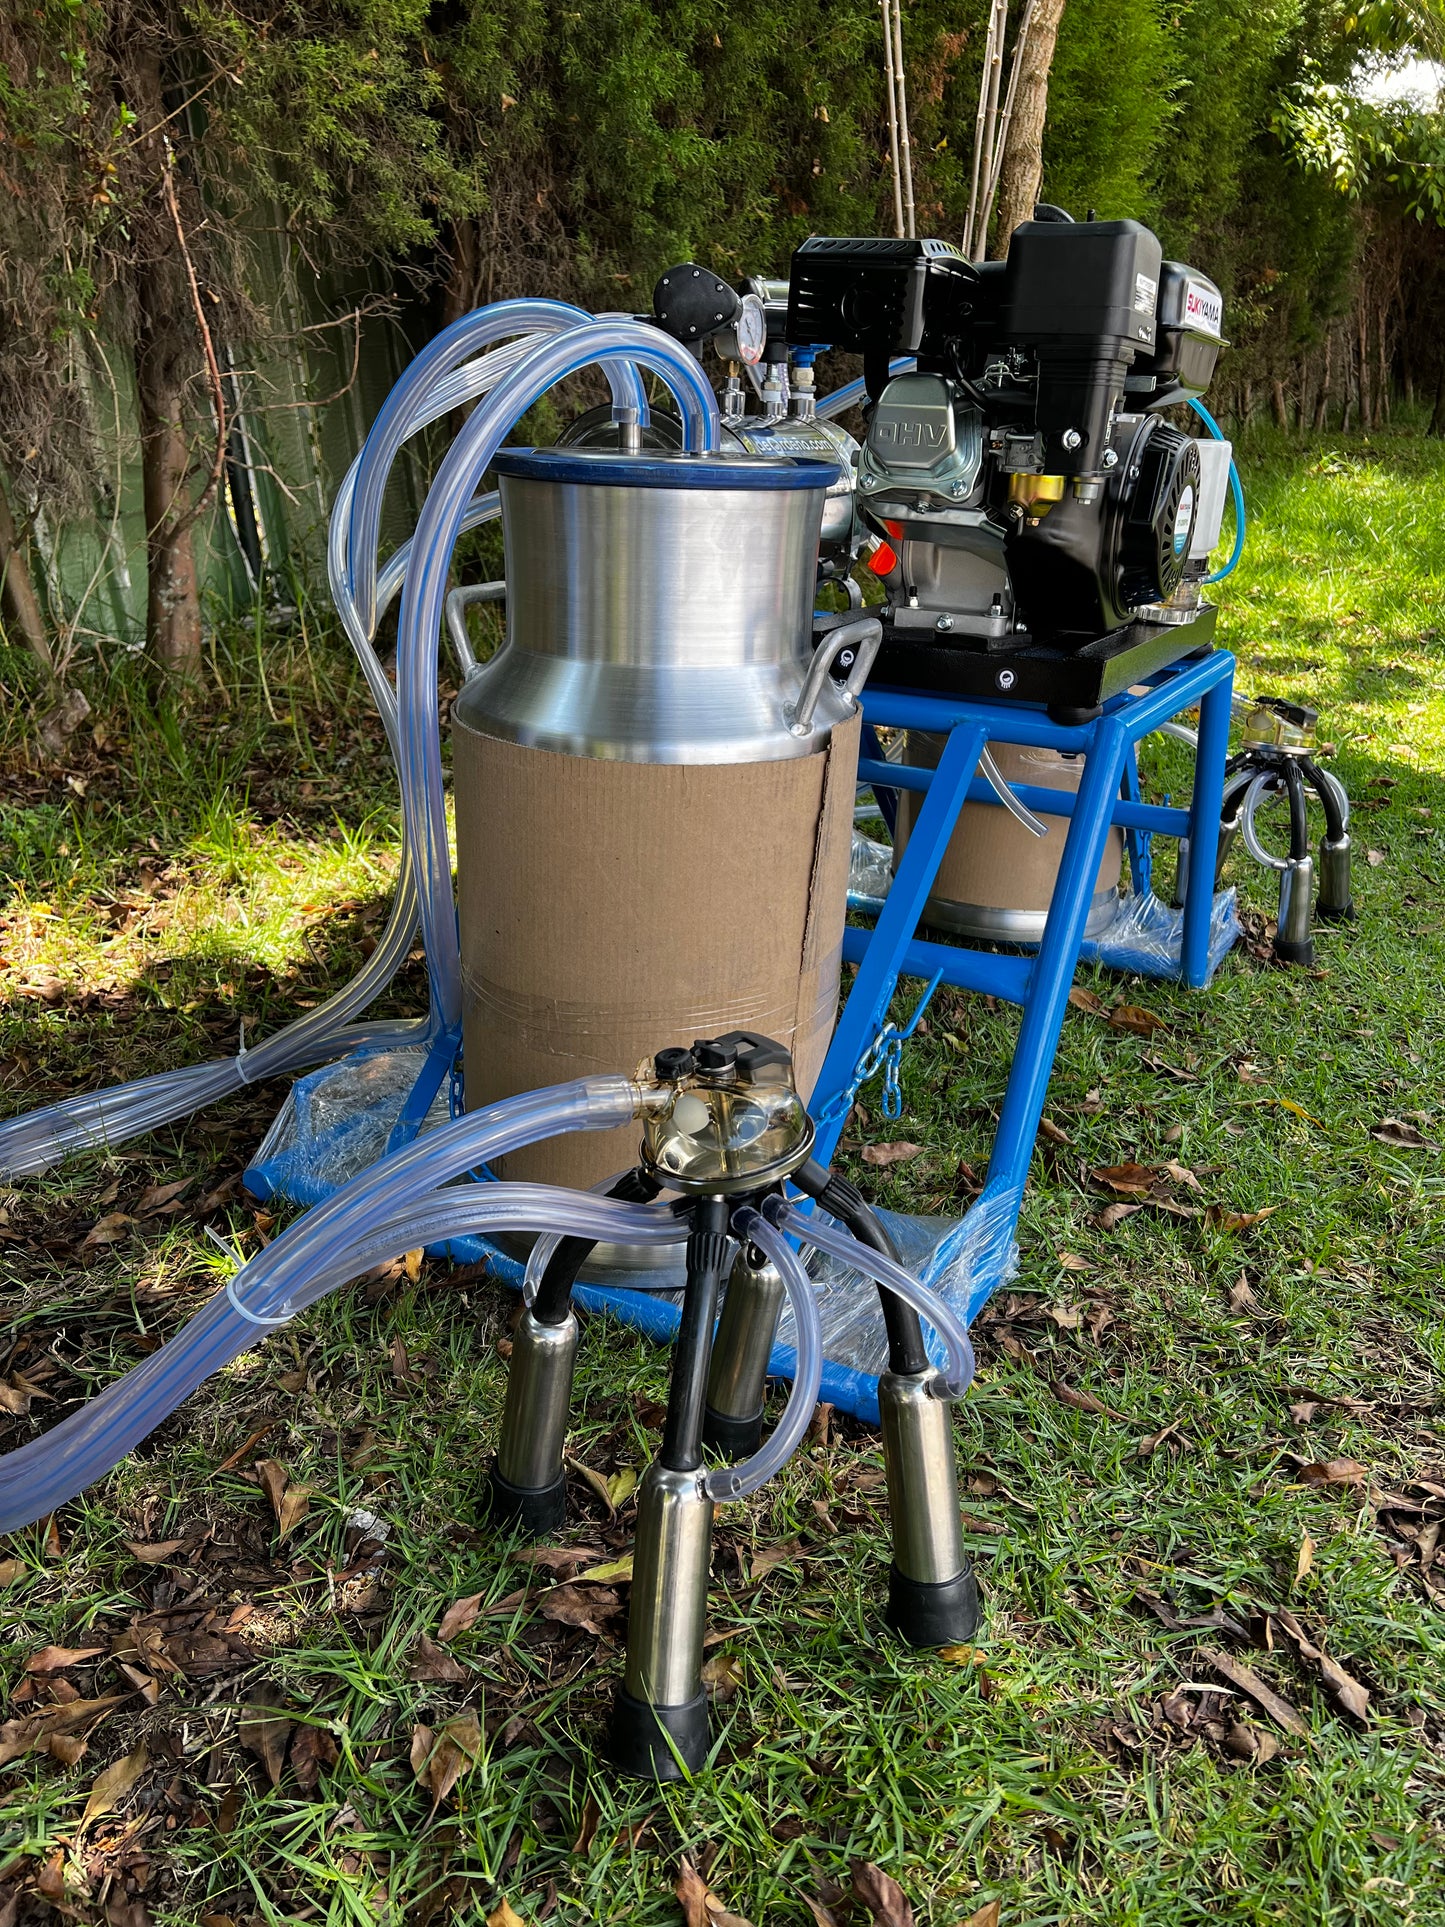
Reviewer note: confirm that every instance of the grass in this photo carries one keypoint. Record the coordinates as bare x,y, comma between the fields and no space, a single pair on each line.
1084,1765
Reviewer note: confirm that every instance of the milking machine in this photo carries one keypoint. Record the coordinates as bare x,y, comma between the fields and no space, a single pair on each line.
655,777
1276,760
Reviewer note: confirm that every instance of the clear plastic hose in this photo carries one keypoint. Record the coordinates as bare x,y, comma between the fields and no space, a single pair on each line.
424,597
439,359
737,1481
434,385
398,1198
824,1236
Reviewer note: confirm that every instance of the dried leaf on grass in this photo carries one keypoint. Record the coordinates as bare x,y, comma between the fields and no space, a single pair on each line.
1082,1401
1127,1180
613,1490
312,1748
1304,1565
264,1731
156,1197
722,1676
290,1502
440,1759
154,1554
1279,1710
40,1729
886,1154
881,1894
766,1558
572,1606
1113,1215
1222,1219
1133,1017
588,1825
53,1659
108,1231
986,1916
1401,1136
459,1617
433,1664
1334,1472
112,1786
701,1907
617,1569
505,1915
1347,1690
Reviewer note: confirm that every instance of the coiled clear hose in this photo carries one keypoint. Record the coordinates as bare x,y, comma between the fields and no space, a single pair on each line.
737,1481
423,603
430,388
823,1236
329,1245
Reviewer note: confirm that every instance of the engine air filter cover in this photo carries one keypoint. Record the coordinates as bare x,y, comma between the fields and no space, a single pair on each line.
1162,480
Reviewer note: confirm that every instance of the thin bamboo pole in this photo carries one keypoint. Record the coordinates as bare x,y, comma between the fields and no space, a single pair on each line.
885,9
901,82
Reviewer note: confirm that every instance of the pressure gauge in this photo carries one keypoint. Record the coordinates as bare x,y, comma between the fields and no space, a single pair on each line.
747,336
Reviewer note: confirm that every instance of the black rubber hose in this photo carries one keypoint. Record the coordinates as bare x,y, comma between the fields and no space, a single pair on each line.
842,1200
1299,822
1329,802
707,1249
554,1289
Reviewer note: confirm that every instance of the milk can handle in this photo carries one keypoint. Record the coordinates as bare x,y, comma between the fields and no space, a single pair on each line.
865,635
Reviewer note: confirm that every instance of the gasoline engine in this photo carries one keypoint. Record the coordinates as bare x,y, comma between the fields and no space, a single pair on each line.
1043,531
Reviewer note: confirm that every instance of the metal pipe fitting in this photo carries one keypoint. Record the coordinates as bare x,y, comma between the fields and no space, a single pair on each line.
1293,943
1336,900
741,1347
659,1720
932,1593
528,1482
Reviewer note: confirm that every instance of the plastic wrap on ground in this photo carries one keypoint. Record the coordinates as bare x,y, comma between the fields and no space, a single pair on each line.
1145,936
869,873
336,1122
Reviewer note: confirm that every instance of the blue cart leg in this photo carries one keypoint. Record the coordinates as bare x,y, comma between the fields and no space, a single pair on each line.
1048,996
1204,812
897,921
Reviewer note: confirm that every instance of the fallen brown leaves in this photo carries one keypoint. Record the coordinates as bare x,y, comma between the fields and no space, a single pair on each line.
701,1907
1265,1697
439,1759
289,1501
885,1154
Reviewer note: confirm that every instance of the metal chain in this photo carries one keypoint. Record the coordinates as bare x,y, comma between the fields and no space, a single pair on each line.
885,1053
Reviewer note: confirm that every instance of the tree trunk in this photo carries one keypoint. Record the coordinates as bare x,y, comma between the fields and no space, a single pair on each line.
1278,402
1322,406
1367,413
1382,406
19,603
463,271
1437,413
1023,155
165,356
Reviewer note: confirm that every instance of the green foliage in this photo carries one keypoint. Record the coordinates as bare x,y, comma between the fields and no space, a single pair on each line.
1112,95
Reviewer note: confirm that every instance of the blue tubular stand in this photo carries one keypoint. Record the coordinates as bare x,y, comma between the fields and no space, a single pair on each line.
1108,794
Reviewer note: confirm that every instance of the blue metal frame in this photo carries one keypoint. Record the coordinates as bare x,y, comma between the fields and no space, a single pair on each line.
1108,794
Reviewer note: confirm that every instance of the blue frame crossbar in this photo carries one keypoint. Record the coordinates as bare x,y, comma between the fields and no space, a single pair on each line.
1108,794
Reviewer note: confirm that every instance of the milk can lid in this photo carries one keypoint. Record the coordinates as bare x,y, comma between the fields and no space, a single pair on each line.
617,470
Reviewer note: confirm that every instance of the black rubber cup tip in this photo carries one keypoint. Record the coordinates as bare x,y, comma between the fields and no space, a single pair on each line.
1335,912
658,1742
533,1509
926,1614
738,1437
1295,953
